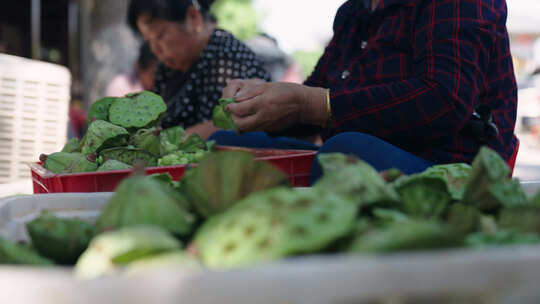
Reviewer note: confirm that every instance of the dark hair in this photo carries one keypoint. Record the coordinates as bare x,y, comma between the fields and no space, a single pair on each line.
171,10
146,57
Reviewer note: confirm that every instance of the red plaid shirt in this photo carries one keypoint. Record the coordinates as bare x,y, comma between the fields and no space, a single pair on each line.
413,71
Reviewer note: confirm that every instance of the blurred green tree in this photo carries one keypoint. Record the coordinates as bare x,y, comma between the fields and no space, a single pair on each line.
240,18
307,60
236,16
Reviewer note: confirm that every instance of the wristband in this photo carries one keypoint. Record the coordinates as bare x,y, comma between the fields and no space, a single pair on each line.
328,106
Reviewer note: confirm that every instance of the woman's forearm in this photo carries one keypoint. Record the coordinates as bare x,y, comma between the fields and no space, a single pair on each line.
204,129
314,110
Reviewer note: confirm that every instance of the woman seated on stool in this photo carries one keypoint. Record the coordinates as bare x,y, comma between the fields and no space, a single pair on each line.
402,84
196,59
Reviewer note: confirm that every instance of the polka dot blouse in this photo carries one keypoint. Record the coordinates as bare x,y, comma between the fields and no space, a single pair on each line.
192,96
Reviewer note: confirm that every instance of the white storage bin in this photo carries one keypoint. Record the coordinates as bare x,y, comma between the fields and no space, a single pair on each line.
507,275
16,211
34,102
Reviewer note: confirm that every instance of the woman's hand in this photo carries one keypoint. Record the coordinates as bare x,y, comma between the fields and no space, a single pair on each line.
263,106
239,86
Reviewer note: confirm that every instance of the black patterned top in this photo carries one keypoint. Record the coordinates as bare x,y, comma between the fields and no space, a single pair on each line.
191,96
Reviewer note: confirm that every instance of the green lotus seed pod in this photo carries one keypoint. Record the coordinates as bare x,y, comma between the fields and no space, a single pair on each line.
424,196
521,219
148,140
359,182
221,118
274,224
139,200
389,216
211,145
59,239
222,179
99,110
129,156
73,145
137,110
405,236
112,250
193,143
464,219
82,141
171,139
61,162
501,238
455,176
535,200
488,170
331,162
165,178
391,175
14,254
174,159
113,165
509,193
199,155
102,135
163,261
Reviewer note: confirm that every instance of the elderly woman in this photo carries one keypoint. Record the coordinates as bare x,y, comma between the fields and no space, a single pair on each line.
196,59
403,83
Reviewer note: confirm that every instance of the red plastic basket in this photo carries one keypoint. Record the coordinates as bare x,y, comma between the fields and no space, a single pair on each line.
294,163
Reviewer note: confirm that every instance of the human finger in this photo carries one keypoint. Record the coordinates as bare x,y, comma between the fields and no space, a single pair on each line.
250,91
233,86
249,123
242,109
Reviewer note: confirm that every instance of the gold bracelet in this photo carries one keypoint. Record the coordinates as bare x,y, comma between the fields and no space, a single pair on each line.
328,106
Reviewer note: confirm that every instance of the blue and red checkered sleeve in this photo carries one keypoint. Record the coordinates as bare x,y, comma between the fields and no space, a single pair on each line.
451,48
318,76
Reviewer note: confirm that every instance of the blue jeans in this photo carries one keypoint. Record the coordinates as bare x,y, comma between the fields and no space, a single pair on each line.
260,140
376,152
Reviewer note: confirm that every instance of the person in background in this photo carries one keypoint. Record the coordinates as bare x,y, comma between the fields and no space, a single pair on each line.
77,124
402,84
142,77
280,66
196,59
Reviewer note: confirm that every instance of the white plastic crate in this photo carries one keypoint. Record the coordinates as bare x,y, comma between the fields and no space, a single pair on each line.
507,275
34,102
